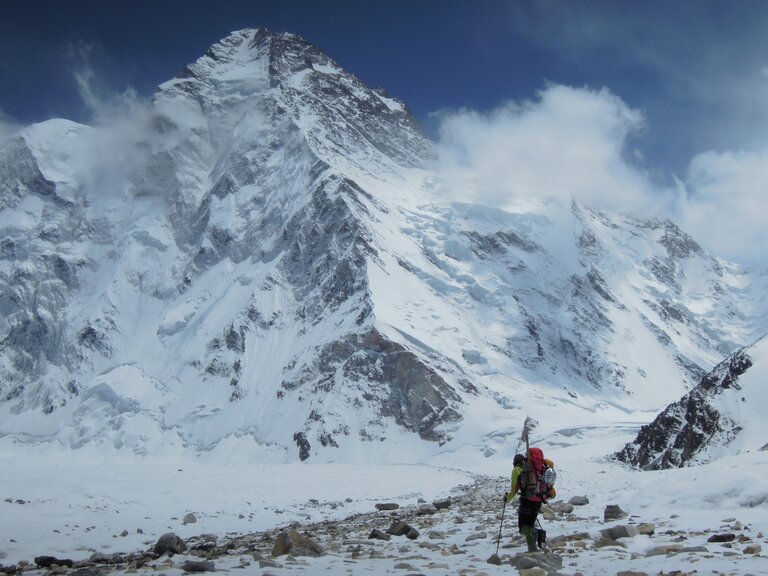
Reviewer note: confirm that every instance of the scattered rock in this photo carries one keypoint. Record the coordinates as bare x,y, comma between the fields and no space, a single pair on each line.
198,566
387,506
561,507
664,549
579,501
753,549
377,534
646,529
169,543
282,544
425,510
616,532
532,572
476,536
695,549
399,528
49,561
436,535
728,537
86,571
189,519
613,512
302,545
604,542
494,559
442,504
548,561
631,573
267,563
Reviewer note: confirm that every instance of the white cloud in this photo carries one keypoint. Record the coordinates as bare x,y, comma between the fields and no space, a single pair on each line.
569,143
723,204
573,143
8,128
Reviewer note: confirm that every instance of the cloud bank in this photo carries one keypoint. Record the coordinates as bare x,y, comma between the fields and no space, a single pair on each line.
575,143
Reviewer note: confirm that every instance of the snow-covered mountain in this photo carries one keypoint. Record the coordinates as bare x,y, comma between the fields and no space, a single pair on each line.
262,260
722,415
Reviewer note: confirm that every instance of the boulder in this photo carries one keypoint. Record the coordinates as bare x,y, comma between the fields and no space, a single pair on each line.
198,566
282,544
729,537
495,560
399,528
664,549
604,542
302,545
613,512
169,543
442,504
616,532
547,561
189,519
377,534
579,501
646,529
562,507
48,561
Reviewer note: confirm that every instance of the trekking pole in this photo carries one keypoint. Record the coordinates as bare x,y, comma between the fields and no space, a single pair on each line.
498,540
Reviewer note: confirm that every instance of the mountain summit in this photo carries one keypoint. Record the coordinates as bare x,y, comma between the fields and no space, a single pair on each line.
261,260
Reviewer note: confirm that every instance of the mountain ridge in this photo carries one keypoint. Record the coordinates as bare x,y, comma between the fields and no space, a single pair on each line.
270,260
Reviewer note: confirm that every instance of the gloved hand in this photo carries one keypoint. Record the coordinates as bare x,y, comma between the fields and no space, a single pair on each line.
505,497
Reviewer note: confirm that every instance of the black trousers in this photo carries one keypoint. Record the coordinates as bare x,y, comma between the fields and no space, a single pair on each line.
528,512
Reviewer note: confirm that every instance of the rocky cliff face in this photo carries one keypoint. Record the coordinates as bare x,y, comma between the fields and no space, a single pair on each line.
706,422
268,259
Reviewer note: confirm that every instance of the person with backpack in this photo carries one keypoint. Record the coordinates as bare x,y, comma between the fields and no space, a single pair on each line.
528,479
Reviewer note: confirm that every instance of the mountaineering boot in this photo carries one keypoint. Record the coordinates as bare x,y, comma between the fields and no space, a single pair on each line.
541,538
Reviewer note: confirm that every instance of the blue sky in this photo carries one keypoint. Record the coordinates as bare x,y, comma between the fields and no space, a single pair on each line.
690,78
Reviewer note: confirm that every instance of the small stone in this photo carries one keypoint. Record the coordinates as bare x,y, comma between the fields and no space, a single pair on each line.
562,507
377,534
646,529
616,532
631,573
613,512
476,536
664,549
604,542
387,506
198,566
169,543
753,549
48,561
436,535
399,528
495,560
282,544
267,563
729,537
189,519
442,504
579,501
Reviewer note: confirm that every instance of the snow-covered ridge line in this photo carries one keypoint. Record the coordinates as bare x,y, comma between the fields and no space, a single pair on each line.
269,265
